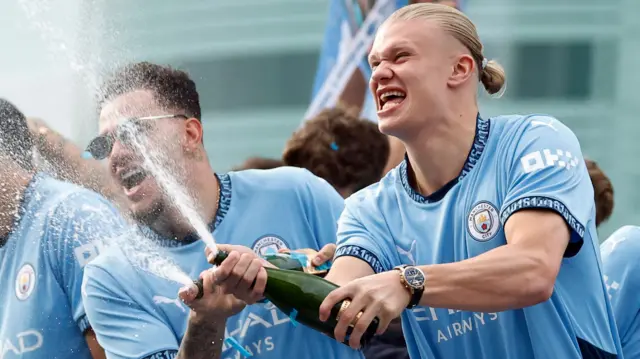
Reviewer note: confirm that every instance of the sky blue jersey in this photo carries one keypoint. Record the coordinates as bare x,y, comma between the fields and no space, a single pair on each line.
138,315
516,163
59,230
621,263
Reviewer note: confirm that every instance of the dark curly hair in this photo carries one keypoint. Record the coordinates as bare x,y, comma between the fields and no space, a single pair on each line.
173,89
15,138
603,191
347,151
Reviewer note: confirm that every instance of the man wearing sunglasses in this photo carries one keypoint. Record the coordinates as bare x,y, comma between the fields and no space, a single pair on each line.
135,314
49,230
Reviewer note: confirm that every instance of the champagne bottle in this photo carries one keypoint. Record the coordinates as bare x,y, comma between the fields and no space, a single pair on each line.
291,290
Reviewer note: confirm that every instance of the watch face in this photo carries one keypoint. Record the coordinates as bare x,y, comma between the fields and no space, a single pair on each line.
414,277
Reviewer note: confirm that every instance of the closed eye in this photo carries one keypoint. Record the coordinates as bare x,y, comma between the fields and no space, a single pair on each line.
401,55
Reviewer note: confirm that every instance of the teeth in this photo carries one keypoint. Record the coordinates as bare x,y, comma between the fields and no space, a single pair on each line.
130,173
386,95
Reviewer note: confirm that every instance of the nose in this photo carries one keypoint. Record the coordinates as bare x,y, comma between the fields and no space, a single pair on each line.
119,156
382,73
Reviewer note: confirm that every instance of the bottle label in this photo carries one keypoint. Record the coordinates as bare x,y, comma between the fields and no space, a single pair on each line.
303,256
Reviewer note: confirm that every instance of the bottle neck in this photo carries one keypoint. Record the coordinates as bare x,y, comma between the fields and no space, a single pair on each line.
220,257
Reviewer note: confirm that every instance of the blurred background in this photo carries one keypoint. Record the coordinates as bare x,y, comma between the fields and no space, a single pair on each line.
254,62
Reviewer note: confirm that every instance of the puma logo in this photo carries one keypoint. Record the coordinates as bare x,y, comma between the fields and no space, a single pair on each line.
409,253
158,299
535,123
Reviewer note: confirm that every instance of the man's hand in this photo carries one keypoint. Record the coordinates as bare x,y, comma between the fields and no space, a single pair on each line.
380,295
242,273
323,256
214,304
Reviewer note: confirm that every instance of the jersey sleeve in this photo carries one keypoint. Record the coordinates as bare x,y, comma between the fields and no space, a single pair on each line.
76,229
547,171
324,206
123,328
363,239
621,272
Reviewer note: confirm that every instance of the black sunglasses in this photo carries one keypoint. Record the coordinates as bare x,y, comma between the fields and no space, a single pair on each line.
100,147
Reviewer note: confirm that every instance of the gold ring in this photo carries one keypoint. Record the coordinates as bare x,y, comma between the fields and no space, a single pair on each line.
355,320
343,307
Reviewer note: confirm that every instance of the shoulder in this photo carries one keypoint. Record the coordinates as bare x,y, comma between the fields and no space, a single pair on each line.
281,180
373,199
64,199
623,242
518,127
104,270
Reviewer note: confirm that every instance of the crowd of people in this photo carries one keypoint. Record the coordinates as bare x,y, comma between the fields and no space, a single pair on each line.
466,236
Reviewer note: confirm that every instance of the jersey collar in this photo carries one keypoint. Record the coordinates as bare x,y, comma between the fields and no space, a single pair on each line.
479,143
223,207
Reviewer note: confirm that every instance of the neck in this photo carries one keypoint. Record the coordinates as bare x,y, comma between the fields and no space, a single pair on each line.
203,192
13,188
438,153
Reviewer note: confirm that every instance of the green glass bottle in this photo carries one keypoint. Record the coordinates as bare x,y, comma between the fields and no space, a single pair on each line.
291,290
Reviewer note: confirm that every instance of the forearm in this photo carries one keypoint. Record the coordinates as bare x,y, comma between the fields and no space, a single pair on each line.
65,161
501,279
202,340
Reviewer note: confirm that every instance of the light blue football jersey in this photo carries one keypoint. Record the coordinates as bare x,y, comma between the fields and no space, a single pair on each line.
60,229
621,267
137,315
516,162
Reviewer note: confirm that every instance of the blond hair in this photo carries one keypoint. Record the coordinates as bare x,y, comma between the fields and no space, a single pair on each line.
457,24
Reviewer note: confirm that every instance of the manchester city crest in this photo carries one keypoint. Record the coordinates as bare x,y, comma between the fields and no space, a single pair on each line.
269,244
25,282
483,222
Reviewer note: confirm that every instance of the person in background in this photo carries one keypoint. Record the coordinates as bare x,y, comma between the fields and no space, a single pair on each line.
621,268
486,247
259,163
136,314
602,191
49,231
348,152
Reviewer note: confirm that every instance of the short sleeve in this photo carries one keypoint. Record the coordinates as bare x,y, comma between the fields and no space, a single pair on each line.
117,321
547,171
76,229
621,272
324,206
362,241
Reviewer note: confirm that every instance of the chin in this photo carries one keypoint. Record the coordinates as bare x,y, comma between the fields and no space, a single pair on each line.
147,211
391,126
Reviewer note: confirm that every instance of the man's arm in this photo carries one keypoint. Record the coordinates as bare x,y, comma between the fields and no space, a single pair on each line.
202,340
94,347
63,160
359,251
205,329
519,274
548,204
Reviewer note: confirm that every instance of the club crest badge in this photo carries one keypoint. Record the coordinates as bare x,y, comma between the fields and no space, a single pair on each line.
268,244
483,222
25,282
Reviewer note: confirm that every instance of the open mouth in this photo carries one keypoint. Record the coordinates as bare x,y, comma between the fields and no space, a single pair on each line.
132,177
389,99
